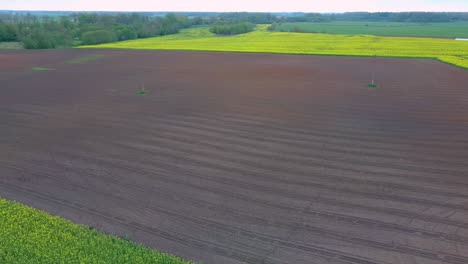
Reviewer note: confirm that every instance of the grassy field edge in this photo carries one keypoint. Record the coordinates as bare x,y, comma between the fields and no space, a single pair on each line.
28,235
11,45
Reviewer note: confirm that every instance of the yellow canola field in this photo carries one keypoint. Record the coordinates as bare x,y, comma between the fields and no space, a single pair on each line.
29,236
447,50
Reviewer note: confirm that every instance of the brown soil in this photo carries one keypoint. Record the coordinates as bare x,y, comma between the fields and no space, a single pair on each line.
244,158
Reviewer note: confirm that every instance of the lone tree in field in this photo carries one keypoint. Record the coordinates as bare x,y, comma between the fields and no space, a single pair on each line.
232,29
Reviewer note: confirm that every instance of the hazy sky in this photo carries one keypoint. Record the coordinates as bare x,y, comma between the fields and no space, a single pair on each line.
238,5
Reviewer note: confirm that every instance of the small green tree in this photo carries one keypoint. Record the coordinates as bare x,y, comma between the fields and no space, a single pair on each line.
98,37
8,33
272,27
123,32
39,39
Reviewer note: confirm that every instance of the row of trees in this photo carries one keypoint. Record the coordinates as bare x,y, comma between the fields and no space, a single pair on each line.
7,32
419,17
270,18
50,31
232,28
254,18
87,28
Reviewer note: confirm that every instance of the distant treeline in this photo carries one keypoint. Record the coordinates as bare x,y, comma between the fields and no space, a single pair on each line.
423,17
48,29
418,17
42,32
66,13
232,28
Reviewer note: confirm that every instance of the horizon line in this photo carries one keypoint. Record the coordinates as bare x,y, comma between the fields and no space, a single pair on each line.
161,11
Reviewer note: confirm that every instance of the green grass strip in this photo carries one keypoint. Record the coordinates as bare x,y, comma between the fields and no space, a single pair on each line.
40,69
30,236
84,59
11,45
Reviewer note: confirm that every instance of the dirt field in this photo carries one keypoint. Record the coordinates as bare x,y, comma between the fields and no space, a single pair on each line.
244,158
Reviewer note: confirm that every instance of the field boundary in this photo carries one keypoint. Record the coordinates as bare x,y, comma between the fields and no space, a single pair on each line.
443,30
25,228
284,53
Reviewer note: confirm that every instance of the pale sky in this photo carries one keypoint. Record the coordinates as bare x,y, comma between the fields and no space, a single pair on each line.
238,5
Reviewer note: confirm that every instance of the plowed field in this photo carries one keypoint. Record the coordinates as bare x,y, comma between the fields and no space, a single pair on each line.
243,158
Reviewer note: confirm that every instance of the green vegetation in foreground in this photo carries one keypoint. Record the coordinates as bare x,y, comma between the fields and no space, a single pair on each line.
31,236
40,69
84,59
142,92
199,38
443,30
11,45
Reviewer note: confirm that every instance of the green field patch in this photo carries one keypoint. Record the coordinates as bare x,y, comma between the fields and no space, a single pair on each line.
142,92
40,69
372,85
437,30
84,59
11,45
263,41
28,235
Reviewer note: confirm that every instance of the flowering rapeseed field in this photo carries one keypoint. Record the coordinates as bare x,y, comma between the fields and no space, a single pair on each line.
261,40
34,237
